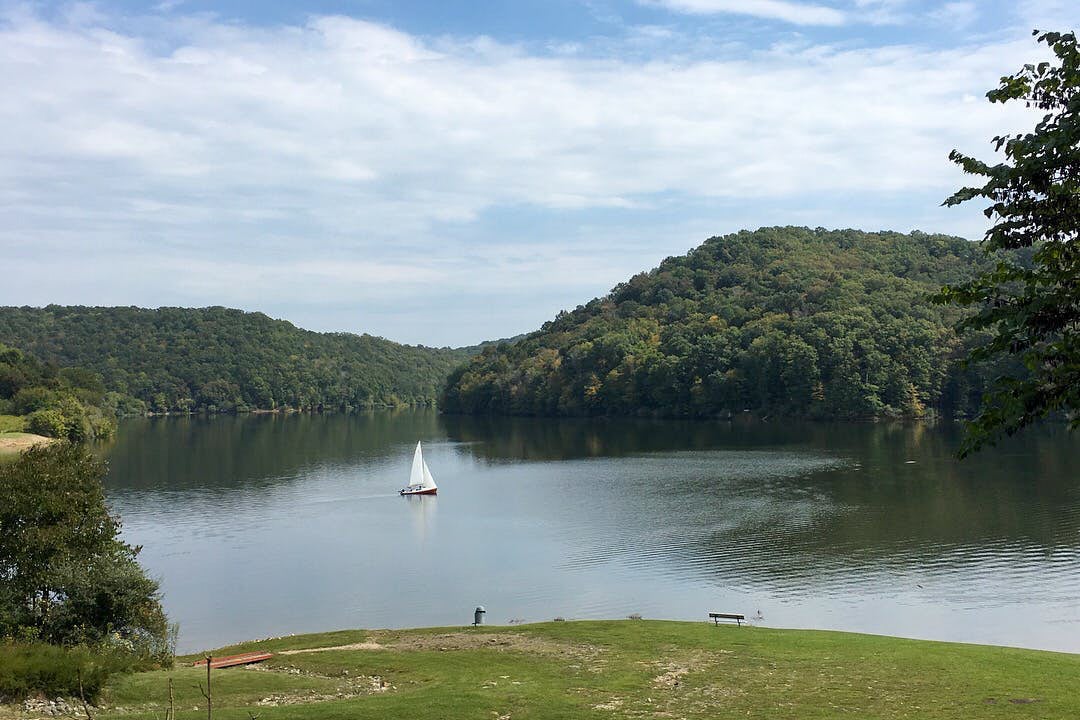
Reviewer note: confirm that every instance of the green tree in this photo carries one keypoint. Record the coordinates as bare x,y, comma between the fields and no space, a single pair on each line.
65,574
782,321
1030,299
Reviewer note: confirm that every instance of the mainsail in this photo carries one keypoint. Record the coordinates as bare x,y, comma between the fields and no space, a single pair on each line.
416,476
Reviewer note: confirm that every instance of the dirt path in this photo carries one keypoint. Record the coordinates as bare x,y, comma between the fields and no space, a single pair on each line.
353,646
511,642
17,442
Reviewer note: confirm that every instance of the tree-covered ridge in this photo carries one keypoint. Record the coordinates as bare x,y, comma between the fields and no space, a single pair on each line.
218,359
783,320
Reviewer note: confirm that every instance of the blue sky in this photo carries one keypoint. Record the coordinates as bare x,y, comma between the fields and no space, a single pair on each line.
448,172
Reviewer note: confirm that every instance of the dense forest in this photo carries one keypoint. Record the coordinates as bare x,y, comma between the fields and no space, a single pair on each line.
785,320
56,402
219,360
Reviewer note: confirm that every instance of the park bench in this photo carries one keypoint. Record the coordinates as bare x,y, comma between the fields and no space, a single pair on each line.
717,617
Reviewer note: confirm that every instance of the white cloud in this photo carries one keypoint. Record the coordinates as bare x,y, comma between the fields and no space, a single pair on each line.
345,159
955,15
347,109
1060,15
883,12
792,12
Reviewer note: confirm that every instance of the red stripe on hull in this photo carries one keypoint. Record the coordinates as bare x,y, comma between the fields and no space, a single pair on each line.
432,491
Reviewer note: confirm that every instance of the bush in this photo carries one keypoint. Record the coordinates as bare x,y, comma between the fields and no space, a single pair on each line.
50,423
69,419
111,603
28,669
79,428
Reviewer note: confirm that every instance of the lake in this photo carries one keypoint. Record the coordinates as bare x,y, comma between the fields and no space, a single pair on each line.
263,525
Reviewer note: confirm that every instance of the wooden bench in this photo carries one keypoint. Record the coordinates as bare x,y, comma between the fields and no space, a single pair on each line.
717,617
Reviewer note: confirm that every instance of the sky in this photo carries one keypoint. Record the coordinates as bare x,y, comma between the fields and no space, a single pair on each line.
451,171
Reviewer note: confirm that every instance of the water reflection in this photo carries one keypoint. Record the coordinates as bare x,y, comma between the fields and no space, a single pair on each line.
423,509
864,527
222,453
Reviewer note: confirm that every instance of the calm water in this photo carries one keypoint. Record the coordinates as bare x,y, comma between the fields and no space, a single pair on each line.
265,525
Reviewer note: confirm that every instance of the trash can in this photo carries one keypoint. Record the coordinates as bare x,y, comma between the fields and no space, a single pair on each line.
478,615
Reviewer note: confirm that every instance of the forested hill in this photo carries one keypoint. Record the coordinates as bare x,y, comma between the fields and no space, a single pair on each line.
215,358
783,320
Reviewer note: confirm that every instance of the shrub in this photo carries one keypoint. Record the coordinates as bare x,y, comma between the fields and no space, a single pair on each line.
69,419
28,669
111,603
50,423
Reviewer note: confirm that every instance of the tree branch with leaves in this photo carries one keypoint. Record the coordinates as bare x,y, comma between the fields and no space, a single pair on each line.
1029,300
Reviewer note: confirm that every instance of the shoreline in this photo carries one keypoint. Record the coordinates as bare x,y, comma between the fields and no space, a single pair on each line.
260,643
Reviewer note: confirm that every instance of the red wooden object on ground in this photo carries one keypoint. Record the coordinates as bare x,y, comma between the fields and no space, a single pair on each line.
231,660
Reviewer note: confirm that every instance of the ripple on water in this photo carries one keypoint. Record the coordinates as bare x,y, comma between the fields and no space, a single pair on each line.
832,529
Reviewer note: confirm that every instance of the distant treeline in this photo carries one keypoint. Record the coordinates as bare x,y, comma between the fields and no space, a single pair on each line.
788,321
220,360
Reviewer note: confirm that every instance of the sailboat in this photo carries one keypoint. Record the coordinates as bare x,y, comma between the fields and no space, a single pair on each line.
420,480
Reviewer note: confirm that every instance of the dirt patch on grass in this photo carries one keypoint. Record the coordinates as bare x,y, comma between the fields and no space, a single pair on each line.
353,687
505,642
17,442
450,642
670,677
352,646
690,684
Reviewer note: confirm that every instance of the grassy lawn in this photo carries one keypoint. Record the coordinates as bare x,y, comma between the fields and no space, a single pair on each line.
614,669
12,424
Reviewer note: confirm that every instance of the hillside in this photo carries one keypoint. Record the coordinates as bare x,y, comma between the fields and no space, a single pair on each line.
784,320
179,359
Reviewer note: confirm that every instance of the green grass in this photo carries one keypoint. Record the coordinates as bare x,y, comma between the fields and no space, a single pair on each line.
12,423
32,669
615,669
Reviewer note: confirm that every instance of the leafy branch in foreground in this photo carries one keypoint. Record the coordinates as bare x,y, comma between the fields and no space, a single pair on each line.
1029,300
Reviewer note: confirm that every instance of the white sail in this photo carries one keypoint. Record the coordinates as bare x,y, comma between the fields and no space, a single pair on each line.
416,476
429,482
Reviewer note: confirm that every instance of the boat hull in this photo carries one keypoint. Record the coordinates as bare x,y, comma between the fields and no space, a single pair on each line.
422,491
